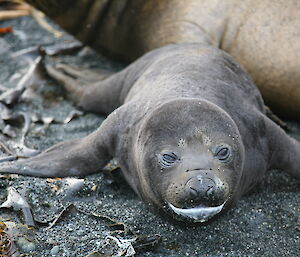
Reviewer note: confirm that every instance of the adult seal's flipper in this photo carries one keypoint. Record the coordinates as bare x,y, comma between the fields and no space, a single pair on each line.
79,157
284,151
75,80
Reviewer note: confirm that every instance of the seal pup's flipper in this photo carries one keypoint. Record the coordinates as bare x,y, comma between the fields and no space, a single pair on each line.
79,157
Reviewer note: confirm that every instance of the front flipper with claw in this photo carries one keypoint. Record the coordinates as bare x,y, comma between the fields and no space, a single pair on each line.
79,157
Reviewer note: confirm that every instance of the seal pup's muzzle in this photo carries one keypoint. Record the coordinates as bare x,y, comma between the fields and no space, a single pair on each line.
203,196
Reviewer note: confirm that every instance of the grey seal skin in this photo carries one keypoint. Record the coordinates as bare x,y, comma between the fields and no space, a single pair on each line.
191,137
262,35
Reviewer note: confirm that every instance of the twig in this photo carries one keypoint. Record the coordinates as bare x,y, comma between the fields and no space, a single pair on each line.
40,19
4,15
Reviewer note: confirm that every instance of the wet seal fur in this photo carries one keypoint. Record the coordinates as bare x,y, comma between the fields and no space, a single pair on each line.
191,137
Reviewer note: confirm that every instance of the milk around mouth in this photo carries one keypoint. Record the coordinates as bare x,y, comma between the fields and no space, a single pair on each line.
197,214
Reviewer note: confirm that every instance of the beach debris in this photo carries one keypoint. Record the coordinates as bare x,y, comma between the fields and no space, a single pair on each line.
5,30
18,202
66,187
12,96
13,9
12,14
6,242
122,240
6,115
146,242
55,250
41,20
121,246
8,158
9,131
16,239
62,48
129,246
47,120
95,254
73,115
114,225
25,245
65,211
58,49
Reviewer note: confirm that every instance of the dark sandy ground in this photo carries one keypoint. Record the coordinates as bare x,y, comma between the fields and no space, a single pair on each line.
264,223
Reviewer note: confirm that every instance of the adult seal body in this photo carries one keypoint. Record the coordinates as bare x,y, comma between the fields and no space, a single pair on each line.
262,35
187,126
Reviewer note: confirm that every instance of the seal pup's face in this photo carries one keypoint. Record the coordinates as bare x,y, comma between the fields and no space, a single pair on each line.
189,159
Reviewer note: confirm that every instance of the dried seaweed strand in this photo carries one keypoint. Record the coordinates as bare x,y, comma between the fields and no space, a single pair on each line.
64,211
9,158
28,75
26,127
5,148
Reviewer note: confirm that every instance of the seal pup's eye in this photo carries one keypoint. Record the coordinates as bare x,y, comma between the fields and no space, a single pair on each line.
222,153
167,159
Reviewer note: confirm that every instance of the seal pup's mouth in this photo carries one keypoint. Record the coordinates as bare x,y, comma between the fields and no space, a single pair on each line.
198,214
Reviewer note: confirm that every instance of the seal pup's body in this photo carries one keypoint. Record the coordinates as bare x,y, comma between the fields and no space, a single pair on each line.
190,137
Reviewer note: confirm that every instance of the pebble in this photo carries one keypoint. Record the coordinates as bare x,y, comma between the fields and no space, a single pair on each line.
24,245
54,250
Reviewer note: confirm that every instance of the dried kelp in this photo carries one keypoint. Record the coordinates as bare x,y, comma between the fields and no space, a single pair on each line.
6,242
18,202
10,97
65,211
16,239
123,240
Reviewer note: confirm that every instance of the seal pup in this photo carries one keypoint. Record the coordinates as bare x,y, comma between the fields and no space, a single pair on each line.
190,137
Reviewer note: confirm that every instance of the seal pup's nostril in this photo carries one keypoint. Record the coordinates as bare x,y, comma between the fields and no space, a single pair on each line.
200,187
202,190
193,192
210,191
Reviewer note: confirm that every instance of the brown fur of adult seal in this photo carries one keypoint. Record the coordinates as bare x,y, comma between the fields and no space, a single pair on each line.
262,35
187,126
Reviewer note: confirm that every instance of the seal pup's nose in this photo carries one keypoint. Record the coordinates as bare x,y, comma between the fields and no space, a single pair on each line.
203,190
200,187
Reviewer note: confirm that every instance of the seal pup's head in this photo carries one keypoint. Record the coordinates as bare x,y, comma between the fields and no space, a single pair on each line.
189,158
